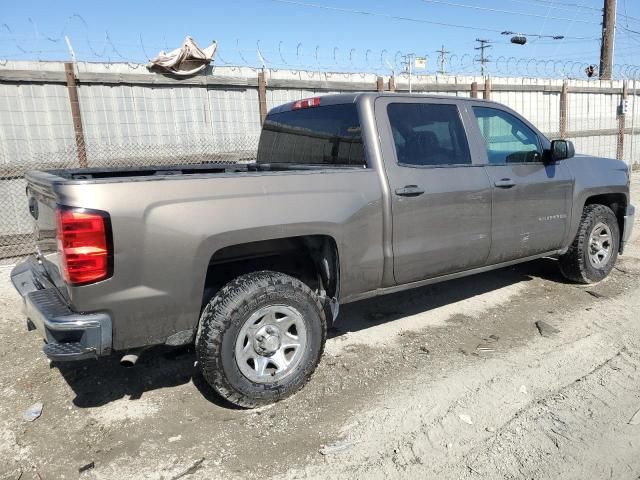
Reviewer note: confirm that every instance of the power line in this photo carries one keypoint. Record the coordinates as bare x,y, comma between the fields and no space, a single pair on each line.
557,5
629,18
393,17
636,32
635,41
571,7
566,32
509,12
568,4
564,43
546,16
625,12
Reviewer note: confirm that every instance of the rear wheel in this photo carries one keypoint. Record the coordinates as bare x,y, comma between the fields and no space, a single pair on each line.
594,251
260,338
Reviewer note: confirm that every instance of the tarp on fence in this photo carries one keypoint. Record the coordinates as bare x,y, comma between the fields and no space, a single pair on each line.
184,61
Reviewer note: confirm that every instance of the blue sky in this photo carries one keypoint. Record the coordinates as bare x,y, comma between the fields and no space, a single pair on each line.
290,33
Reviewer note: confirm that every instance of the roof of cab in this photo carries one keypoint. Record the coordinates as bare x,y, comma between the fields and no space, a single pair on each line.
342,98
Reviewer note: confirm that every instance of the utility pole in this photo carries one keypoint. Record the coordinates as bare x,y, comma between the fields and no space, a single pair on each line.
442,59
408,64
483,60
608,35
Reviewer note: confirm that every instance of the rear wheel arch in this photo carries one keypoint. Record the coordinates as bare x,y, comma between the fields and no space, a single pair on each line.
247,352
313,259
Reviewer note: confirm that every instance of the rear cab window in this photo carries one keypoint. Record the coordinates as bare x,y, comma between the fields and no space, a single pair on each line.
323,135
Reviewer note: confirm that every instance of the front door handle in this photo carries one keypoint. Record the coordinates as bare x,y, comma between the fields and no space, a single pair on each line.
504,183
409,191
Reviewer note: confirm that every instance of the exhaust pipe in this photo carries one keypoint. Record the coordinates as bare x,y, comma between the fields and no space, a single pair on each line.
130,359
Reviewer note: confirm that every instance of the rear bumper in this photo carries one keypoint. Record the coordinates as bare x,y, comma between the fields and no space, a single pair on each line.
629,219
68,335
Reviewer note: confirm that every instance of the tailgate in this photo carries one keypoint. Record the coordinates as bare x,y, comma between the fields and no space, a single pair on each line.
42,205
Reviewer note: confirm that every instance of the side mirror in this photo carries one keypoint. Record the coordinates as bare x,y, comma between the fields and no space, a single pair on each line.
561,149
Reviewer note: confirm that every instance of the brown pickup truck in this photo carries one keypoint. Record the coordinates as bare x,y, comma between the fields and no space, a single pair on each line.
351,196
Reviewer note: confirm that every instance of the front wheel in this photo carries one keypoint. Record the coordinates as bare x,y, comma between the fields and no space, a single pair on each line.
594,251
260,338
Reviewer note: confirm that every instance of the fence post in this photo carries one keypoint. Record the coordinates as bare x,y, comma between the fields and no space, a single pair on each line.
380,84
487,89
474,89
633,123
564,109
392,84
621,124
262,96
76,116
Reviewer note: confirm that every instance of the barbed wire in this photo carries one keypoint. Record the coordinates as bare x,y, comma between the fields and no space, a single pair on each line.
386,63
311,58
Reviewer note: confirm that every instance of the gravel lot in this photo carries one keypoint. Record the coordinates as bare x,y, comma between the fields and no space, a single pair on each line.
450,381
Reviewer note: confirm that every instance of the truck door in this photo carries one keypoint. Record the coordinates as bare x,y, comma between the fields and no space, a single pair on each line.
531,199
440,194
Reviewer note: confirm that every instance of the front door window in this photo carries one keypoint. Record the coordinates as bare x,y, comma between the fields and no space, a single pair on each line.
507,138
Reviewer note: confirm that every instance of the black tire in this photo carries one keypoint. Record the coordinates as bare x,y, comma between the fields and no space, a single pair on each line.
575,265
223,319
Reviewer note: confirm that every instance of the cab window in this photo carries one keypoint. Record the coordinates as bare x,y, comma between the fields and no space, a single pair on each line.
507,138
325,135
428,134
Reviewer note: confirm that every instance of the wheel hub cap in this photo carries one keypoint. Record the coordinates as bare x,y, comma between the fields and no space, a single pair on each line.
600,245
267,341
271,343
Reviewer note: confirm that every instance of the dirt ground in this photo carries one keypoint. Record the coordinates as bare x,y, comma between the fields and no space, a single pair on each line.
452,381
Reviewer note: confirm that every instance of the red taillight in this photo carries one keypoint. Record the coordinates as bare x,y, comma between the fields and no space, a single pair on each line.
306,103
83,244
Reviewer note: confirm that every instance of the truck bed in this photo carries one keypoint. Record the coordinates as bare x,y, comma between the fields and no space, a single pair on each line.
173,170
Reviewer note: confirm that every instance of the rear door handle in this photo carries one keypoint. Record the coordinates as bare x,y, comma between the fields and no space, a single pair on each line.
504,183
409,191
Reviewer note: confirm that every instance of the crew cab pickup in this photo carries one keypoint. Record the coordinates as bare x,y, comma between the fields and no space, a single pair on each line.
350,196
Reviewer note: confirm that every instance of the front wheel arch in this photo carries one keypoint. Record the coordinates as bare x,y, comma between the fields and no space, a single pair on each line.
617,202
576,264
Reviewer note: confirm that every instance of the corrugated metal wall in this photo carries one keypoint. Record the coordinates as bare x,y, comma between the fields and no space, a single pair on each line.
34,118
166,118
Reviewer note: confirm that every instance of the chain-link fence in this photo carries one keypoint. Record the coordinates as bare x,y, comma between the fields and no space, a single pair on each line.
16,224
54,115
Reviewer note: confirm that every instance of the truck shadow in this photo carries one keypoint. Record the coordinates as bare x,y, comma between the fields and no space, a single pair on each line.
378,310
98,382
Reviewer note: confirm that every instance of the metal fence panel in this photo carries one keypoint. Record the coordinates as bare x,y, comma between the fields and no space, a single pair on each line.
235,118
593,111
34,121
132,117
